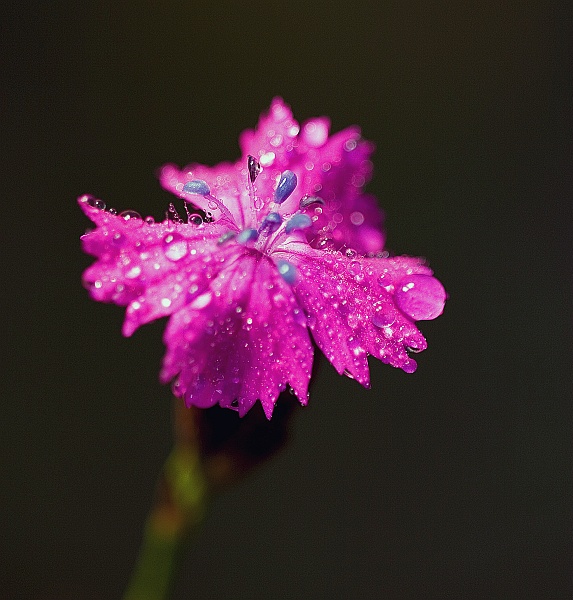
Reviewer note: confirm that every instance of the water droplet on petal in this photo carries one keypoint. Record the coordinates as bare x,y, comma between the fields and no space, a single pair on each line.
350,253
420,297
308,200
354,267
95,202
202,301
385,280
174,246
149,220
356,218
325,243
254,168
383,319
131,216
133,272
409,366
195,219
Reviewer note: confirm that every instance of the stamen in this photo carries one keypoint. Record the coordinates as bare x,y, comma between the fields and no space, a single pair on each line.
297,222
271,222
226,237
287,271
197,186
247,235
286,186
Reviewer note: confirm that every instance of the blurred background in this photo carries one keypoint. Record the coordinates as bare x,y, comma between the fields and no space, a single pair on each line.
454,482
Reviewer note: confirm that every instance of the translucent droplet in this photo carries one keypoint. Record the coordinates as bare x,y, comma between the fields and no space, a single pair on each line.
254,168
420,297
202,301
131,215
385,280
133,272
212,205
409,366
308,200
356,218
350,253
350,145
354,267
96,202
112,211
149,220
383,319
174,246
325,243
195,219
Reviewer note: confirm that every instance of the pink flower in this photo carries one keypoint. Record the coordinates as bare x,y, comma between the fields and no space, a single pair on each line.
276,248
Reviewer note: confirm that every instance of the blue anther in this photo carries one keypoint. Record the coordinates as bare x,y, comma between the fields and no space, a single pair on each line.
271,222
197,186
247,235
306,201
226,237
287,271
286,186
298,221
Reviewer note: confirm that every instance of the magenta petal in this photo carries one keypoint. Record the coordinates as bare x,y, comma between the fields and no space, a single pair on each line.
241,343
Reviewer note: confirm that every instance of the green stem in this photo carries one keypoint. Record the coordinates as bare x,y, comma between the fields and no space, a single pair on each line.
177,513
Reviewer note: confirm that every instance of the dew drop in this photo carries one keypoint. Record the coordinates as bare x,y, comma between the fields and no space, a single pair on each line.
308,200
133,272
112,211
195,219
202,301
325,243
409,366
356,218
149,220
174,246
383,319
354,267
254,168
420,297
385,280
95,202
131,216
350,253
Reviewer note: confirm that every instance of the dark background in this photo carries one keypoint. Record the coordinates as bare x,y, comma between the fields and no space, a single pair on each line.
454,482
